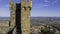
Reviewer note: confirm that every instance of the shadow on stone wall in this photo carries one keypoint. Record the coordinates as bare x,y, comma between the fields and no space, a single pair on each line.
11,31
18,20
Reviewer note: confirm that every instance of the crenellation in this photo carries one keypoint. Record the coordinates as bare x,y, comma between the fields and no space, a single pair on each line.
23,16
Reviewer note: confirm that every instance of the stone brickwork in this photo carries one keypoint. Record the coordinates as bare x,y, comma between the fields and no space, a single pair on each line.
4,23
25,16
8,26
12,13
4,26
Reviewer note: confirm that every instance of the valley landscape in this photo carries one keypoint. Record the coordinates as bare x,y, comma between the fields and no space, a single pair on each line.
53,21
37,23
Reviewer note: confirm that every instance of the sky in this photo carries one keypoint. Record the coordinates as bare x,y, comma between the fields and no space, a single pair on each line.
45,8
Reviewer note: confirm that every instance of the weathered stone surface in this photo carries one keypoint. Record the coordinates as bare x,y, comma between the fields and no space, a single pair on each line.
4,23
6,26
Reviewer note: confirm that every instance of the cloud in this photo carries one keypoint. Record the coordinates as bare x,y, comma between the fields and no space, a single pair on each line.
45,5
46,1
55,1
40,5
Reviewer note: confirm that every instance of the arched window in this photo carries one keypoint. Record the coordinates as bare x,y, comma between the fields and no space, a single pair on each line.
29,7
24,8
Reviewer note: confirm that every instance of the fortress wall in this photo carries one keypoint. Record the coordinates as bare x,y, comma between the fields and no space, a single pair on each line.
4,23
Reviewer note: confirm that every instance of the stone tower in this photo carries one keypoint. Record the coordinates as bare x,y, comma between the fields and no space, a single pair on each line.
12,13
21,13
25,16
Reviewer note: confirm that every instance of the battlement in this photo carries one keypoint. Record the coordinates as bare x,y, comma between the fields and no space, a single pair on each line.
19,18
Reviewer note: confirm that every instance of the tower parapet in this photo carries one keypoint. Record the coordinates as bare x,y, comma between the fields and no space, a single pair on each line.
24,14
12,12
